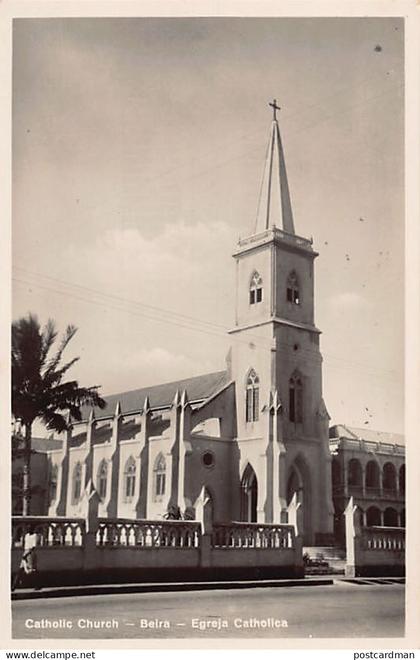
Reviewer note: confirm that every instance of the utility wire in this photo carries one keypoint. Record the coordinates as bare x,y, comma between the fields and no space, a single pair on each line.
183,321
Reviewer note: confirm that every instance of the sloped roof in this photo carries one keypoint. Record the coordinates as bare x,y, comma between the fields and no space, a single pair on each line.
344,431
197,388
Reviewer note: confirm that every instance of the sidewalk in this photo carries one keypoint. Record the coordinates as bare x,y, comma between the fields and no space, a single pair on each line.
109,589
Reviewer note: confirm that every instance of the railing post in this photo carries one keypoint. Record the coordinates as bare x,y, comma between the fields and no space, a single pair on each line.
204,515
295,517
92,501
352,538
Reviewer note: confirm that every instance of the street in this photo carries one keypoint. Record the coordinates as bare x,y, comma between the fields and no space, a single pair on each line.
339,610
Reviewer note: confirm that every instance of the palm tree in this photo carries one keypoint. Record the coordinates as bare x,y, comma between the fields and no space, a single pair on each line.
38,390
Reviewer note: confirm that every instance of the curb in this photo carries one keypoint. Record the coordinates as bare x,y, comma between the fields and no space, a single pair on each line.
110,589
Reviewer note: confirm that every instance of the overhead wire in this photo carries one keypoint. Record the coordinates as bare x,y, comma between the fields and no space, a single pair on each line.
181,320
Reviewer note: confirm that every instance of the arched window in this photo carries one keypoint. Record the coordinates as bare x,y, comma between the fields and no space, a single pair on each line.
129,478
372,476
402,480
355,476
389,477
102,479
252,396
160,476
336,475
255,289
77,483
390,517
373,516
296,399
53,483
293,295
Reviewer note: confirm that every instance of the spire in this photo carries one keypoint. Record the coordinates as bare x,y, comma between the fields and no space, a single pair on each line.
274,207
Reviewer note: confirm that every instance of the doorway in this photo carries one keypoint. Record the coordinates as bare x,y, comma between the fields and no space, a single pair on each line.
249,495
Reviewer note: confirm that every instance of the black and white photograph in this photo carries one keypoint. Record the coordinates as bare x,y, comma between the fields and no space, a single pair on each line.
208,327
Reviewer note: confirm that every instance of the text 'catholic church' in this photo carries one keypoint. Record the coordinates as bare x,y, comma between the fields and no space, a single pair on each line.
252,436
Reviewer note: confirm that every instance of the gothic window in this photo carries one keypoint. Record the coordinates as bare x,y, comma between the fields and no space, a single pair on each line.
293,289
52,495
102,479
252,396
77,483
160,476
129,478
296,399
255,289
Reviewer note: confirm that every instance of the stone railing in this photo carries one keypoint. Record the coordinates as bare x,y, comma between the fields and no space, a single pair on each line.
383,538
72,551
148,533
372,551
367,445
252,535
49,531
275,232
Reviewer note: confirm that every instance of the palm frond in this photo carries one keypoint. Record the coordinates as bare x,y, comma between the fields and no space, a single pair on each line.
49,335
55,361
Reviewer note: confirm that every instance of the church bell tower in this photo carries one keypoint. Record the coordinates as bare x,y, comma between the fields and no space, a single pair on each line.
277,365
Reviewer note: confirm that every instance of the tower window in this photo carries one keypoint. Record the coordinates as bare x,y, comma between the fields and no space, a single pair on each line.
293,289
252,397
255,289
296,399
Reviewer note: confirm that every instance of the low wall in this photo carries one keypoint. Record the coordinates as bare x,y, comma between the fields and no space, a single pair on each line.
122,550
373,551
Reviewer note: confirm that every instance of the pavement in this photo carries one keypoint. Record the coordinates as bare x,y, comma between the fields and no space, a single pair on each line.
342,608
153,587
159,587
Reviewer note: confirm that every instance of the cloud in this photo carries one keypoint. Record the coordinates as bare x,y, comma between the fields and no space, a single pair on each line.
144,367
348,300
173,269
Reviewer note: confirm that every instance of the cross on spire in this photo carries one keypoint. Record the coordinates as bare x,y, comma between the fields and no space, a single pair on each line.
275,108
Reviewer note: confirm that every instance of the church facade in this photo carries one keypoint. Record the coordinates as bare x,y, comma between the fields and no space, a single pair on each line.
253,435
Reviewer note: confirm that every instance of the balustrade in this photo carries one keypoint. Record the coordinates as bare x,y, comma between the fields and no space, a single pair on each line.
380,538
275,232
49,531
148,533
253,535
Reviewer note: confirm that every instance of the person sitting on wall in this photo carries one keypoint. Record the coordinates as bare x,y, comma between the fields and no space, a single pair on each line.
28,562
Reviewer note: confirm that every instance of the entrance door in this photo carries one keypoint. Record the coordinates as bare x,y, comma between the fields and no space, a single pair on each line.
249,495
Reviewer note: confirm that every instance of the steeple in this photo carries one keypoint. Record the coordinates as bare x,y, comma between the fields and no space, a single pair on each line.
274,207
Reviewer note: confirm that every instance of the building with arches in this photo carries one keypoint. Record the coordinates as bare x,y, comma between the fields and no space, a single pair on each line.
370,467
253,435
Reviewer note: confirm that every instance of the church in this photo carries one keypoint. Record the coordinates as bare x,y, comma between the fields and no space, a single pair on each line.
253,435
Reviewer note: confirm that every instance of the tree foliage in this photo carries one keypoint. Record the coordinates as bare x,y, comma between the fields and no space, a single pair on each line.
39,390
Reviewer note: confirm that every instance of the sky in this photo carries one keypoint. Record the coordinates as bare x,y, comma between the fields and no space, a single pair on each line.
138,151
